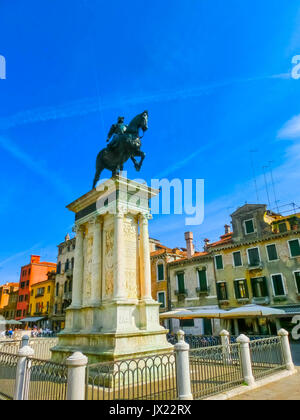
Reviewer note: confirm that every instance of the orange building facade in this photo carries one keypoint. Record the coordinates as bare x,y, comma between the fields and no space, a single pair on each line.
5,291
35,272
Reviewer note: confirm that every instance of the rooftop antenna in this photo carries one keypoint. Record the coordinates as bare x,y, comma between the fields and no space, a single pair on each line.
254,174
266,183
273,184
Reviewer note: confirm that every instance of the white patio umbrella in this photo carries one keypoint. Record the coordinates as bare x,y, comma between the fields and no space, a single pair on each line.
251,311
194,313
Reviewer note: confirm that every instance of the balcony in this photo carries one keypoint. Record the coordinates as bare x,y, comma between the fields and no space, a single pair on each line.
40,294
181,294
282,298
255,265
202,292
264,300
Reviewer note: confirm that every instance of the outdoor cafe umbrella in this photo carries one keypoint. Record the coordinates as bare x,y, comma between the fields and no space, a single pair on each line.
9,322
252,311
194,313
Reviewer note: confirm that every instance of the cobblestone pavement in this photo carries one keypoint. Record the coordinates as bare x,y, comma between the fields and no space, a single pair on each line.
286,389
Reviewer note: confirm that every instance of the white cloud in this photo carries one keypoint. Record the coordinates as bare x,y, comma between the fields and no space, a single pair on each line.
291,130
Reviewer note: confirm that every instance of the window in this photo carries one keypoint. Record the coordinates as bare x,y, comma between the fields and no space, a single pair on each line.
29,271
58,268
27,283
241,289
272,252
65,287
24,312
19,314
278,285
55,308
49,289
249,226
294,248
26,298
57,289
72,262
21,298
202,281
161,299
67,265
253,257
237,259
180,280
222,291
23,285
48,305
297,278
219,262
282,227
259,287
187,323
160,272
70,286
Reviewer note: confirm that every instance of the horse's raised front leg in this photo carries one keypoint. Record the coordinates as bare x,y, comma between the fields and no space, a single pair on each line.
137,165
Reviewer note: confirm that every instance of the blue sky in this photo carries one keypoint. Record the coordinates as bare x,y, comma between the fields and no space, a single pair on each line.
215,77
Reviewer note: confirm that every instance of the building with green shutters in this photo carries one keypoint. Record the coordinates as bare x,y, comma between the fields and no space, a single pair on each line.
258,262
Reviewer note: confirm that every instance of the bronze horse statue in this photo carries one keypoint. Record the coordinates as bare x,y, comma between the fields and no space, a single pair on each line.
125,144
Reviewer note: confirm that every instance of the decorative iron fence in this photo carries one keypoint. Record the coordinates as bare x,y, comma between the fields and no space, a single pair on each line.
8,373
215,369
41,346
197,341
47,380
149,378
10,346
266,356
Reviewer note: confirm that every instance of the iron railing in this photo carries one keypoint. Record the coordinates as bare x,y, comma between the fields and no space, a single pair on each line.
149,378
214,370
41,346
196,341
47,380
266,356
8,373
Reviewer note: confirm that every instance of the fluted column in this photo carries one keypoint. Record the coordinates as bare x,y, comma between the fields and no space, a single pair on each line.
96,262
78,270
145,259
119,252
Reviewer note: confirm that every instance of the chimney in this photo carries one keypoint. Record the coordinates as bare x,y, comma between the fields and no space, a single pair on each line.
35,259
227,229
189,244
206,243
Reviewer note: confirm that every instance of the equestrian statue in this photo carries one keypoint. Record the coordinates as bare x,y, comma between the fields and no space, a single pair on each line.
124,143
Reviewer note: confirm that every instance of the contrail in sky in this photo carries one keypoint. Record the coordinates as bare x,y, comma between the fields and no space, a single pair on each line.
87,106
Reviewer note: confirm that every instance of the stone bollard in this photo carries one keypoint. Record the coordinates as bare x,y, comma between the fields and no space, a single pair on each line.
286,349
183,368
23,373
246,359
24,341
225,341
76,376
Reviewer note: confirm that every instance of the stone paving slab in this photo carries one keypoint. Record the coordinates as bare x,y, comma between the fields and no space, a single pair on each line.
286,389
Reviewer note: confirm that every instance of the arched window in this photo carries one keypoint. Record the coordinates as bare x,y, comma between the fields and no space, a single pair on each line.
66,287
57,289
67,265
58,268
70,285
72,262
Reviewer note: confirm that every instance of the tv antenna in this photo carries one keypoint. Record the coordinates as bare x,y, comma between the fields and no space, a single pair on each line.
254,174
273,185
266,183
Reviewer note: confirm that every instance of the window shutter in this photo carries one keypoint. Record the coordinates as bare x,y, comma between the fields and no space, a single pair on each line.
272,252
278,285
202,280
237,259
265,287
219,262
160,269
297,275
295,248
237,290
181,287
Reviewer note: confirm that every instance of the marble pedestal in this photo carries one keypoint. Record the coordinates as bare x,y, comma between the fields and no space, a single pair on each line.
113,315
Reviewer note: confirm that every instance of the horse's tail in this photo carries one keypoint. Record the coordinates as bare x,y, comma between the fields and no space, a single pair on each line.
99,168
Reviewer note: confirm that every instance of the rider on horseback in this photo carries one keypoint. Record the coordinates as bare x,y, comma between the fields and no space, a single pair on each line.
118,129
